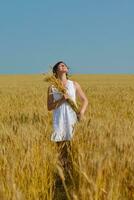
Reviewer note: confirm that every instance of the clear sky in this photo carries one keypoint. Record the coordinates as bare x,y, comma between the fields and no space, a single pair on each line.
90,36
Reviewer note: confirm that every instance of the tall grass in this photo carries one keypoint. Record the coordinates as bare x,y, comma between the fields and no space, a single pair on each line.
102,147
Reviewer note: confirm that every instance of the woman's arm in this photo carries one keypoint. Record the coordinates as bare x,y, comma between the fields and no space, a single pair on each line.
81,94
51,104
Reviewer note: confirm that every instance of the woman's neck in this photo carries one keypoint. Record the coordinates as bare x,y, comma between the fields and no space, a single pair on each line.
63,78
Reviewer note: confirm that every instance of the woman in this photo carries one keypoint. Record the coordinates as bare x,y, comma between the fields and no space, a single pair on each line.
64,117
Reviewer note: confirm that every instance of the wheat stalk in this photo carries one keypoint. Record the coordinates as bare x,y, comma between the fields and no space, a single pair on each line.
58,84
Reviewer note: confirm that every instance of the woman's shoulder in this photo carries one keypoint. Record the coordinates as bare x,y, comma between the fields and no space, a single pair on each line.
50,88
75,83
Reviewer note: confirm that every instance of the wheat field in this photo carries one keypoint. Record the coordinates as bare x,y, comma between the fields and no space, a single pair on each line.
102,152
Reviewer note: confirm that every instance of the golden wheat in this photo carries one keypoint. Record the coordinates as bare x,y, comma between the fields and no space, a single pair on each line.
102,149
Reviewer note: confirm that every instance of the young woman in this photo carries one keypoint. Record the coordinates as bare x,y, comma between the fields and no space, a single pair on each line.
64,117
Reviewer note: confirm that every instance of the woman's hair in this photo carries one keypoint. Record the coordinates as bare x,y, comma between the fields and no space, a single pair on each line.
55,68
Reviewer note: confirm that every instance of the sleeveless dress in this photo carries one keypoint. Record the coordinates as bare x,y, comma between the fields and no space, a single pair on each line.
64,117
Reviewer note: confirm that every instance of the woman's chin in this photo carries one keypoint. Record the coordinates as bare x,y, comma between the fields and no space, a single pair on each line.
62,72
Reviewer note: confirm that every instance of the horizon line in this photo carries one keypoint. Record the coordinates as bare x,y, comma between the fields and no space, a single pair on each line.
69,74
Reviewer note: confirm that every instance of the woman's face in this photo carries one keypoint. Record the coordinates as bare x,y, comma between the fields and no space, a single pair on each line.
62,68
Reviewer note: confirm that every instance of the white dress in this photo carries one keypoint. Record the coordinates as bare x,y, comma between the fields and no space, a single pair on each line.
64,117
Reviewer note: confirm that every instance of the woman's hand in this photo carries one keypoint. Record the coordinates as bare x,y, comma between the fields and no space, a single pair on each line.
65,97
80,116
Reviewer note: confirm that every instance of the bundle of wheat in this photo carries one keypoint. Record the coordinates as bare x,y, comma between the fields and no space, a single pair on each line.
58,84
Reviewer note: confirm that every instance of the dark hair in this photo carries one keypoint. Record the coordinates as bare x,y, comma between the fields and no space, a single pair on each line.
55,67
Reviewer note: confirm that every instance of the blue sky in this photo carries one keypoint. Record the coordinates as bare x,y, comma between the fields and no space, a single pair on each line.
91,36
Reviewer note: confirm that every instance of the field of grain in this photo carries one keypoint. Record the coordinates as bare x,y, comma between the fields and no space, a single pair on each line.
102,147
